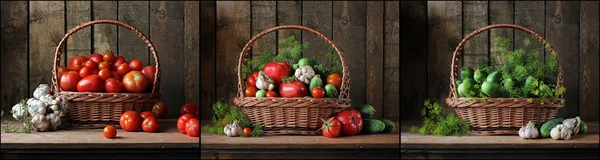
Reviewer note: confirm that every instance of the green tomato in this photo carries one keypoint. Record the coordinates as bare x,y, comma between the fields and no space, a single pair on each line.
261,94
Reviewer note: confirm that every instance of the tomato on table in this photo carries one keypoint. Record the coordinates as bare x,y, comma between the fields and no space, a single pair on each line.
192,127
331,128
103,65
76,63
130,121
108,57
92,83
247,131
123,69
113,86
136,65
182,121
351,122
160,109
146,114
135,82
95,57
69,80
335,79
110,132
189,108
85,71
150,124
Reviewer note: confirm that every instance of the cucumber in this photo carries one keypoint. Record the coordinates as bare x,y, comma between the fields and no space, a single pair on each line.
366,111
315,81
371,126
389,125
331,91
582,128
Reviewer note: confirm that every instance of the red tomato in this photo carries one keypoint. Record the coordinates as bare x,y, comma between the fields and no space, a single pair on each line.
150,124
108,57
160,109
104,73
250,91
85,71
272,93
95,57
149,71
331,128
103,65
115,75
192,127
90,64
76,63
318,92
95,71
251,80
351,122
110,132
136,65
130,121
277,71
123,69
146,114
181,122
92,83
293,89
247,131
69,80
61,70
189,108
113,86
119,57
335,79
117,63
135,82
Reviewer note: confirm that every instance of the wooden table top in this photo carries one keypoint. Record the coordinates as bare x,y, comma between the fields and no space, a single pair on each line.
415,141
167,136
374,141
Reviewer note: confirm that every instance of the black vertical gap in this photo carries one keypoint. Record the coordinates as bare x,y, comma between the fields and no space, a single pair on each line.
92,29
489,33
65,49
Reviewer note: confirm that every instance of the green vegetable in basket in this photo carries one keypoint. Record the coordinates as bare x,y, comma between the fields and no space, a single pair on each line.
467,90
491,89
547,127
494,77
466,72
315,81
480,76
331,91
305,62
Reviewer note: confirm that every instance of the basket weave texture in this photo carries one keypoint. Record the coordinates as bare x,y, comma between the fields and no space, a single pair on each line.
97,109
299,116
494,116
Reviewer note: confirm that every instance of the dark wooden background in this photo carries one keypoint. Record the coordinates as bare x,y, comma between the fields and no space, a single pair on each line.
32,30
432,30
367,32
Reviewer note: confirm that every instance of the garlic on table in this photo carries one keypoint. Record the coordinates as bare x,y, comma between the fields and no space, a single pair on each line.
42,89
528,131
263,81
36,107
305,74
573,124
232,130
54,120
48,99
560,132
19,111
40,123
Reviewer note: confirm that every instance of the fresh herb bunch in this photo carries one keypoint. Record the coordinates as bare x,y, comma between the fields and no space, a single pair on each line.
335,64
23,125
436,121
224,113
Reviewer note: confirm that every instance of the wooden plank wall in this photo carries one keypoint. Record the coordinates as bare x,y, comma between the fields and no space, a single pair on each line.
367,32
31,32
571,27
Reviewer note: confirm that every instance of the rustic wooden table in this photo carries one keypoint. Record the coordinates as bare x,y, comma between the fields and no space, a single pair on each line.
414,146
166,143
376,146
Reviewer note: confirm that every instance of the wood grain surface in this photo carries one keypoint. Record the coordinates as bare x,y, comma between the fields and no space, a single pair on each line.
79,44
391,62
530,14
207,58
589,58
413,59
105,36
501,12
130,46
475,16
288,12
374,56
14,43
263,17
317,15
192,53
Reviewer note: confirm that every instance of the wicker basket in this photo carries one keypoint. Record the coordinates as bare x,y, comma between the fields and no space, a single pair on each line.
300,116
96,109
496,116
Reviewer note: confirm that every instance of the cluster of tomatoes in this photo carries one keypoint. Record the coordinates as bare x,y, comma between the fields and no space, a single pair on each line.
131,121
348,122
105,73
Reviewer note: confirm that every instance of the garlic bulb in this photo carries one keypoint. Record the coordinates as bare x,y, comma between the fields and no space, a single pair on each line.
40,123
528,131
19,111
54,121
232,130
573,124
36,107
305,74
263,81
42,89
560,132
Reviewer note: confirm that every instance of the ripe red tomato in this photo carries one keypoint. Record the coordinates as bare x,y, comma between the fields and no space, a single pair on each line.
351,122
272,93
113,86
103,65
95,57
160,109
85,71
149,71
189,108
192,127
150,124
146,114
331,128
90,64
92,83
119,57
130,121
115,75
69,80
135,82
108,57
250,91
136,65
110,132
76,63
251,80
318,92
116,63
104,73
123,69
277,71
61,70
247,131
95,71
293,89
181,122
335,79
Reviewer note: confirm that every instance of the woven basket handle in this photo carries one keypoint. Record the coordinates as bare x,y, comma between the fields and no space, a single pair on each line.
87,24
344,89
456,54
